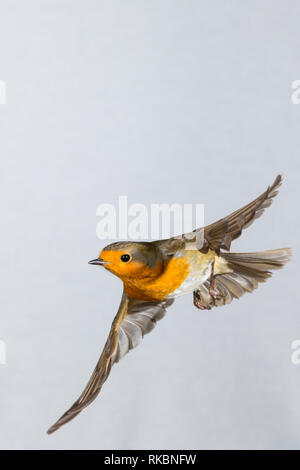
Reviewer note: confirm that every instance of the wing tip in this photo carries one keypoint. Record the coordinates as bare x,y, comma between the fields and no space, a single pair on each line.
272,191
277,183
52,429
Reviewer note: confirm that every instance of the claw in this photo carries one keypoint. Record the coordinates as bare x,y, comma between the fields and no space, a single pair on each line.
216,295
198,303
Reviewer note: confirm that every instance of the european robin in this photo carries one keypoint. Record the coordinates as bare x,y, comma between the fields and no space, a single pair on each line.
155,273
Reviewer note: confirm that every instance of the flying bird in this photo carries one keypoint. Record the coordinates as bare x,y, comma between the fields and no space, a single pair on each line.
155,273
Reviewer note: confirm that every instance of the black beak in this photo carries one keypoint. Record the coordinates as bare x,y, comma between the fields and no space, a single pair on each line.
98,261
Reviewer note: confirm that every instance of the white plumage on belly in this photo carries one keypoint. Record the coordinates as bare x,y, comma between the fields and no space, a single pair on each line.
200,271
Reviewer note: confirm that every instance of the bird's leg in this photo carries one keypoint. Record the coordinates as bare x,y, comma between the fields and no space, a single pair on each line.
212,288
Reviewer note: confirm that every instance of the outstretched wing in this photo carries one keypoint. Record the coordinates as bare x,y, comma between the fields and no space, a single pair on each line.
134,319
220,234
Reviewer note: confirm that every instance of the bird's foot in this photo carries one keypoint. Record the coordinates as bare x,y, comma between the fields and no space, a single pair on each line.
215,295
199,304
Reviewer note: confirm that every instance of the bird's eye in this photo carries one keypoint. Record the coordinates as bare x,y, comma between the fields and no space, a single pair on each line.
125,258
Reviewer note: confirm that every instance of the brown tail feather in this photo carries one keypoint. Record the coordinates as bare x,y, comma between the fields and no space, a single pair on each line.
248,270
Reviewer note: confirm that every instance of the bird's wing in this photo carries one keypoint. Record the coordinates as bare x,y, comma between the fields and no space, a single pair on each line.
134,319
220,234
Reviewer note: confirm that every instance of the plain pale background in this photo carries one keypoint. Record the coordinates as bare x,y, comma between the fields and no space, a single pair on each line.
163,101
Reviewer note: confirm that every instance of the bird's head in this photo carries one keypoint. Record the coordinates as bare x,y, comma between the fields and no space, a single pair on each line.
131,260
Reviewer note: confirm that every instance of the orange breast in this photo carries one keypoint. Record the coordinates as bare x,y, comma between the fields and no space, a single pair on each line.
157,289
